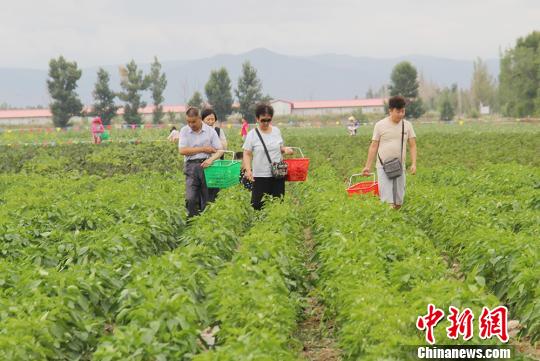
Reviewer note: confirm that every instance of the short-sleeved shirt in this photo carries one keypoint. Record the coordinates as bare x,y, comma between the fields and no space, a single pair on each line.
388,134
273,140
205,137
222,137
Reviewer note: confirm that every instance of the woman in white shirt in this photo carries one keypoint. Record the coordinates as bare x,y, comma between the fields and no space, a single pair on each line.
209,116
258,168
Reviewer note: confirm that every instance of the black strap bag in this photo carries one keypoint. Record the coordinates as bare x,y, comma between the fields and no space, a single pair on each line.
393,168
279,169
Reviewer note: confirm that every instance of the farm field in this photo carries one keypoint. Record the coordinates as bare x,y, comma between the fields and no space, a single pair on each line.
98,261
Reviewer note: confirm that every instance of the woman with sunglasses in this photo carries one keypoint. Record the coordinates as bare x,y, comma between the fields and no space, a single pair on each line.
257,166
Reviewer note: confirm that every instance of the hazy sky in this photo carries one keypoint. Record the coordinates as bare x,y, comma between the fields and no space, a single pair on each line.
101,32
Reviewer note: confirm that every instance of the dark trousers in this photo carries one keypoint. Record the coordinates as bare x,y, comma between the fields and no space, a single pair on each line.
271,186
196,190
212,194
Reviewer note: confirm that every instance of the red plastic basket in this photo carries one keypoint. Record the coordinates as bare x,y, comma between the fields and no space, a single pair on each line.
297,170
363,187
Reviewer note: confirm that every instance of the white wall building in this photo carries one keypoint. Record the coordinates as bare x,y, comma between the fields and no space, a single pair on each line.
282,107
327,107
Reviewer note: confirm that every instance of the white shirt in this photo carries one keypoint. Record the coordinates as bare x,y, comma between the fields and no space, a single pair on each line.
222,137
205,137
261,167
388,134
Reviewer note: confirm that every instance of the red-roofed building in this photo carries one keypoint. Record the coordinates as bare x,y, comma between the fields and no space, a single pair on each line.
44,116
150,108
326,107
25,116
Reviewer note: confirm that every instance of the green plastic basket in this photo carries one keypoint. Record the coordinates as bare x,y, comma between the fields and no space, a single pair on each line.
223,173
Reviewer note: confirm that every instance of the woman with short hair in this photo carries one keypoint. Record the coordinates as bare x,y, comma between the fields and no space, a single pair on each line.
258,167
209,116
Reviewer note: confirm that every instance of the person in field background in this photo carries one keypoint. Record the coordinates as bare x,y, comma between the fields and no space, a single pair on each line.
174,135
245,129
97,130
386,144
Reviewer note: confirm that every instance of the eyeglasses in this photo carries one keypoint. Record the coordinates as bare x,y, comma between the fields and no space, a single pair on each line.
266,120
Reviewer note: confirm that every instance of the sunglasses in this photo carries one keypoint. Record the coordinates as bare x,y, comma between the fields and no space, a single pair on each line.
266,120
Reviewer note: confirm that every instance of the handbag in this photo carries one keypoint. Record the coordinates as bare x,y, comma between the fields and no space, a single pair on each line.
244,181
278,169
393,167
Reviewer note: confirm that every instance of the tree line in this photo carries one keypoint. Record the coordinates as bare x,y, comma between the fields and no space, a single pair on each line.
63,77
515,94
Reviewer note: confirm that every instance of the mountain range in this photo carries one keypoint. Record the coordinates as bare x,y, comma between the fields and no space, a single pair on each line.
317,77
